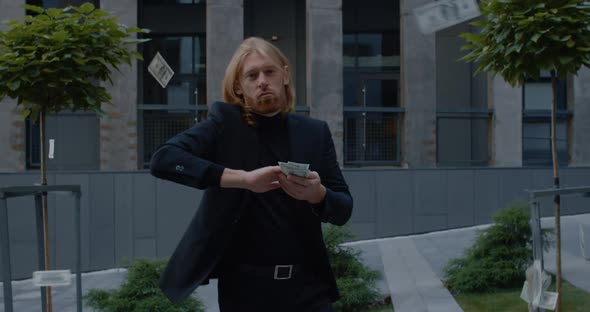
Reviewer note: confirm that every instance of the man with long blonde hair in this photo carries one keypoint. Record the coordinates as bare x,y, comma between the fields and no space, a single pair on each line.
257,230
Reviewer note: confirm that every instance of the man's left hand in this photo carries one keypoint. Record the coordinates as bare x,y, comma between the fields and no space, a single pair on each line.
309,189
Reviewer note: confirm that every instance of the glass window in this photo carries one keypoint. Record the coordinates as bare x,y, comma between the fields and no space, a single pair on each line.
371,101
186,57
381,92
536,124
184,98
376,51
536,142
371,137
461,104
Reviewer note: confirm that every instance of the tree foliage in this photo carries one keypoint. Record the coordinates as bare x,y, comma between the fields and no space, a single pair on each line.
499,256
55,59
520,38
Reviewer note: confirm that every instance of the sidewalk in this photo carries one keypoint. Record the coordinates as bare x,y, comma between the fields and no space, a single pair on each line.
411,267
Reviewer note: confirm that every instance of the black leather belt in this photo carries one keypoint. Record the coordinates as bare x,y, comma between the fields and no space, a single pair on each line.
277,272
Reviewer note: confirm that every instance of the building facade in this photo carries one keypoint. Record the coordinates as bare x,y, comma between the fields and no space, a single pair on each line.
393,96
425,145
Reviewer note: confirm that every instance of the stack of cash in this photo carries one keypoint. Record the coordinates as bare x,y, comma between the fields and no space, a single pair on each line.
293,168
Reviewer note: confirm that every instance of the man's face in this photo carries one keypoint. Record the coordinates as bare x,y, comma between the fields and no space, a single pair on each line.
262,84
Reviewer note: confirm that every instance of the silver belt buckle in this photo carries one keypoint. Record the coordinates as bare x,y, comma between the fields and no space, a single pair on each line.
278,267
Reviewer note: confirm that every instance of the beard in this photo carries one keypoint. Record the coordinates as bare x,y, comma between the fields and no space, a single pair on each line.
266,104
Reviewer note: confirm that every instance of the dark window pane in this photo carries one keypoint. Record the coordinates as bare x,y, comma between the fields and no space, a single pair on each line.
159,126
381,92
186,56
179,92
200,53
538,95
536,143
454,141
479,141
350,89
349,50
462,141
33,149
370,137
381,132
377,51
353,136
177,51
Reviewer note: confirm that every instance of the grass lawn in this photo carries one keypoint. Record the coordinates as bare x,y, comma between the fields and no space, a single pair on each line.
574,300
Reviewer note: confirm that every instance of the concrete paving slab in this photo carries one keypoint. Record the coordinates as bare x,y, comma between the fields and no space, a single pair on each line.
414,285
371,257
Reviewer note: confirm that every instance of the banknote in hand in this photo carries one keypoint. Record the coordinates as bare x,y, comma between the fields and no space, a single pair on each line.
293,168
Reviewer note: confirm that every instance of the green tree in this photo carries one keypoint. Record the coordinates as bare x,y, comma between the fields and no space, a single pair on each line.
519,39
56,59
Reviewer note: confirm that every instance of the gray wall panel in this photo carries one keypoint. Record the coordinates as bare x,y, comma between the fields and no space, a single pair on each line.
22,233
144,248
362,188
460,198
424,224
102,217
570,178
124,202
177,205
64,244
543,179
363,230
82,179
512,186
486,195
430,196
144,211
132,215
394,203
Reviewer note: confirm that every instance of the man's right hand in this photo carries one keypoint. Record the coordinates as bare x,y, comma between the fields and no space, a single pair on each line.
259,181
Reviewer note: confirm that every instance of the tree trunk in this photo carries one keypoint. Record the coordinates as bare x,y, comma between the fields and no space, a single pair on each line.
44,201
557,197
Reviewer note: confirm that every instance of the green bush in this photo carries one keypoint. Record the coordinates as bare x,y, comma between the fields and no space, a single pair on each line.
355,281
139,293
499,256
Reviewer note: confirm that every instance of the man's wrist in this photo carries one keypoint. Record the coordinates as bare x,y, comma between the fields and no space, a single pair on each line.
320,196
233,179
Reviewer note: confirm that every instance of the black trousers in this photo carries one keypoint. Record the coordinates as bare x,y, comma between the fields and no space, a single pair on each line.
241,292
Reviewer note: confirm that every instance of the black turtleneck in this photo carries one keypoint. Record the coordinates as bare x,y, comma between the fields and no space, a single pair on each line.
267,233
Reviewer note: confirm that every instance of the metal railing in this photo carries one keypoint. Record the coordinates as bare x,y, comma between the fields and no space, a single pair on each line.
535,206
37,191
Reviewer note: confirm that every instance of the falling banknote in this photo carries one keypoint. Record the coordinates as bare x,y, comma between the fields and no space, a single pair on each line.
160,70
293,168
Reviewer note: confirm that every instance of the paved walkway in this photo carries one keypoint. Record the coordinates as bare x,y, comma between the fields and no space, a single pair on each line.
411,267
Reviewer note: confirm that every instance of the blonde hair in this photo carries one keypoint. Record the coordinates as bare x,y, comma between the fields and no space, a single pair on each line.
234,68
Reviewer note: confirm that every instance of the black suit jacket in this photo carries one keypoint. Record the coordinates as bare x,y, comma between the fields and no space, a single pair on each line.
198,155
